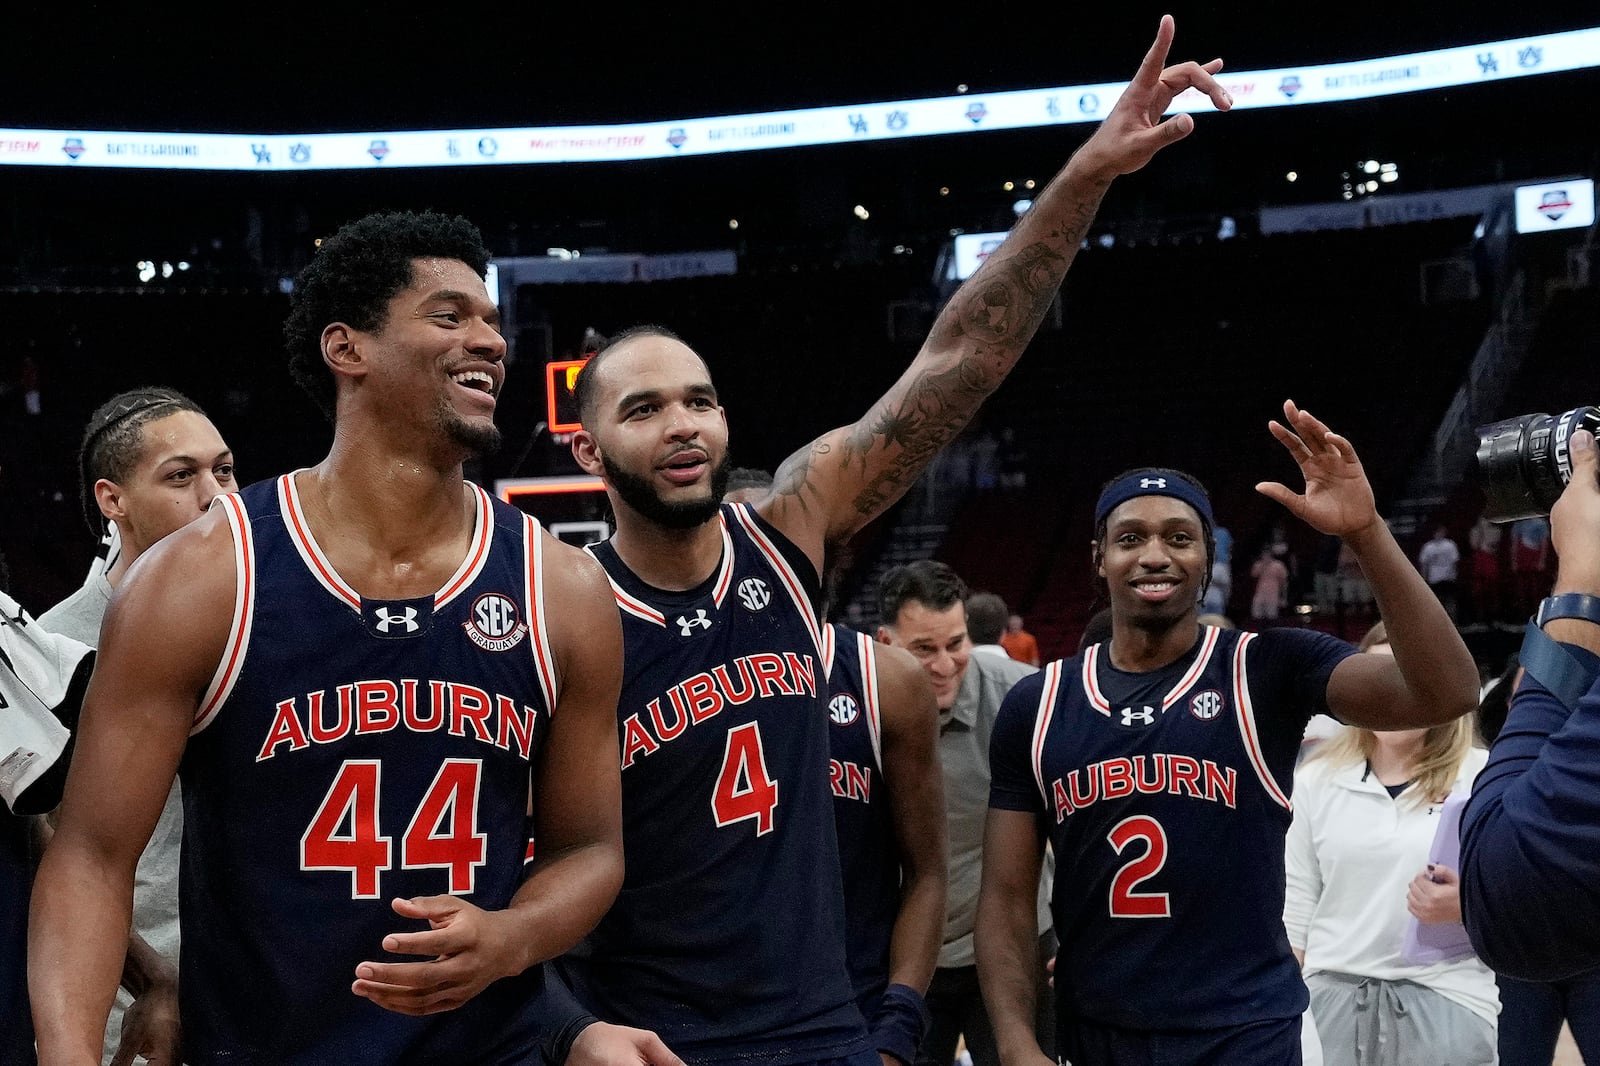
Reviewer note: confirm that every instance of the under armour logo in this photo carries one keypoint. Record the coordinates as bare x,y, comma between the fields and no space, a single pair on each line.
1152,483
387,618
754,594
1143,716
687,626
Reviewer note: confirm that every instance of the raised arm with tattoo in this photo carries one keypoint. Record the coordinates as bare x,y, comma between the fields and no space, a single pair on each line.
839,482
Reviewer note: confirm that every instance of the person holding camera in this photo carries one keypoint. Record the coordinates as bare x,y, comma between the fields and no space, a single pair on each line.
1530,837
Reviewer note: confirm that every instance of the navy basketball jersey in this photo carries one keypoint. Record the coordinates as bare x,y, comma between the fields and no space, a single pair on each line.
1165,796
728,935
348,752
869,854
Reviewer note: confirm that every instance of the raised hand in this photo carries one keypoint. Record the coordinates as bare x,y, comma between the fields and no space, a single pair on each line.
471,949
1133,132
1338,498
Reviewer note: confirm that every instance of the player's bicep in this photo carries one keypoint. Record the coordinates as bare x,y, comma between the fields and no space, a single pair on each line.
160,645
579,787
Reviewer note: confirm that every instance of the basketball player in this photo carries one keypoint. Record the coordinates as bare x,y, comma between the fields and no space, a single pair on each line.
727,810
150,463
883,771
364,667
1158,768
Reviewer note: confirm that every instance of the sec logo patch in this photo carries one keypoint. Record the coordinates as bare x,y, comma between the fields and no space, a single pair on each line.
1206,705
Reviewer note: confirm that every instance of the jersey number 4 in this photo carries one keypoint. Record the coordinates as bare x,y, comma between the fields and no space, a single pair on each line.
443,833
1125,902
744,791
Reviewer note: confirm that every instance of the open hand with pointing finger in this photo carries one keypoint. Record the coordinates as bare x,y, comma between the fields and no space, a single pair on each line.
1338,497
1134,132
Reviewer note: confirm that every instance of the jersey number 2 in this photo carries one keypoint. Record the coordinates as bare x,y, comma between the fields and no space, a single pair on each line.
443,832
1125,902
743,788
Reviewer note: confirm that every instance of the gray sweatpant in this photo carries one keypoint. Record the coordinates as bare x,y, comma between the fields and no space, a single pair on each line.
1367,1022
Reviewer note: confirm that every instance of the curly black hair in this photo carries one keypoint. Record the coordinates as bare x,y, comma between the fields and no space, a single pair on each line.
354,275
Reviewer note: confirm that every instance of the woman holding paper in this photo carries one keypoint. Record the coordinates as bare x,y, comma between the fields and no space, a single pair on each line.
1373,908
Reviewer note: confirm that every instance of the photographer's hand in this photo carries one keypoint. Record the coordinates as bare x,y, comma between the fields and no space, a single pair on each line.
1575,535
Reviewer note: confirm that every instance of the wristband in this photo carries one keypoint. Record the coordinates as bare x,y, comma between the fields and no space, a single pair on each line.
900,1022
1568,605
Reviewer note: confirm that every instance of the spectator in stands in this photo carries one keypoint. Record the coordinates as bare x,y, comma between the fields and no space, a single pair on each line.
1271,592
1533,1012
1367,808
986,461
1325,578
1439,560
922,606
1013,461
150,463
1485,540
1019,643
1355,595
1530,563
986,624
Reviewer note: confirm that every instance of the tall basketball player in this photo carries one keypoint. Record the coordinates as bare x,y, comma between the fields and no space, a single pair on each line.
1158,767
370,672
727,812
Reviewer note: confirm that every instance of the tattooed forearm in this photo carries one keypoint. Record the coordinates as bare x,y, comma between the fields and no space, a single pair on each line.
977,339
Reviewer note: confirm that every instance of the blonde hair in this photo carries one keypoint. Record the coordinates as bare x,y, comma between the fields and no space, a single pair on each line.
1437,763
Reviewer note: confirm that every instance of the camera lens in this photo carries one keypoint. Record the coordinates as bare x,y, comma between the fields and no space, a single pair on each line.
1524,462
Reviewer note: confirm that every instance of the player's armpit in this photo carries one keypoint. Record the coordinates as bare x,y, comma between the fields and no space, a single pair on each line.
910,716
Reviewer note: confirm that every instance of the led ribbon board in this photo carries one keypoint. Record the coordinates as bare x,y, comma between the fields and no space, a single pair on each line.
976,112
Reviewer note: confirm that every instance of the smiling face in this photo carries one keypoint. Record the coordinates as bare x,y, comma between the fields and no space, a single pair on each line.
183,464
938,638
1154,561
657,437
439,354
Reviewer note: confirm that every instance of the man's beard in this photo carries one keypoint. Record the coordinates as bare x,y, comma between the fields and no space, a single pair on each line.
481,438
639,494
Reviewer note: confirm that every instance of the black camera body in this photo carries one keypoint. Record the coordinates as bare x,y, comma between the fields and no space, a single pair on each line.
1525,462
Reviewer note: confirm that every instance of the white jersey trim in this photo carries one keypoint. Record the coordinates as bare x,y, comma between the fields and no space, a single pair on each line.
780,565
1097,698
322,570
244,609
627,602
1247,724
477,552
533,567
869,693
1041,725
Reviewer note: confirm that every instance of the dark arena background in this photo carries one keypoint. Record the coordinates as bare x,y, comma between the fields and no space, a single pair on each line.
1318,252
